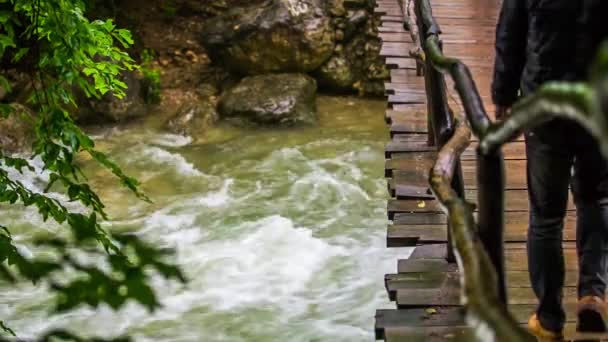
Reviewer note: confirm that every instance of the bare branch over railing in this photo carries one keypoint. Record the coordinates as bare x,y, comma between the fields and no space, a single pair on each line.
486,313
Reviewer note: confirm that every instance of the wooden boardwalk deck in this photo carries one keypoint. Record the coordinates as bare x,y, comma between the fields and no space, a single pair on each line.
426,287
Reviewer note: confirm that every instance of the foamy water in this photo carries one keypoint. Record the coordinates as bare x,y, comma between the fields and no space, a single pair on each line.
281,233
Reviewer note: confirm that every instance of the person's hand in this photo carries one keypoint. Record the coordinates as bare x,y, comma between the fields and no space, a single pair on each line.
502,112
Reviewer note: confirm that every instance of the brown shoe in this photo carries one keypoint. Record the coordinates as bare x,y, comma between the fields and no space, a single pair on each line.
542,334
591,313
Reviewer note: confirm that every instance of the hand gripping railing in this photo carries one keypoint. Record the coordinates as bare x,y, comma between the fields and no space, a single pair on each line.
478,248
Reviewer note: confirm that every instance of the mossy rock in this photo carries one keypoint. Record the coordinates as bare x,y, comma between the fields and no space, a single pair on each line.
275,99
193,119
278,36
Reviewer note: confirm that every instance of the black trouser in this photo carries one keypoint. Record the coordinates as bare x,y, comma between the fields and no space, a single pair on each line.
555,149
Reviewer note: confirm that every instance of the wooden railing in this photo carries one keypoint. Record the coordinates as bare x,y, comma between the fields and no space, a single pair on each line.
478,246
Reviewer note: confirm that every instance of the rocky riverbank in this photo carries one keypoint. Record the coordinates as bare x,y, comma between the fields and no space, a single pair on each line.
259,61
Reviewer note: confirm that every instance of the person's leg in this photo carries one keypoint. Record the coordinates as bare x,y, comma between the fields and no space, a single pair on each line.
549,170
590,189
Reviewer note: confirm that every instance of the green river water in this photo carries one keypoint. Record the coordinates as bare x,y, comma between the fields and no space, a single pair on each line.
280,231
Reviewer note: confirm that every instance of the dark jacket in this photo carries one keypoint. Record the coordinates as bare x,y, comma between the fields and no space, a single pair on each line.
545,40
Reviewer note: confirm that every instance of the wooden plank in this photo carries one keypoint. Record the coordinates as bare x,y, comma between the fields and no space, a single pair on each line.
415,112
414,280
417,123
515,200
396,49
400,63
515,256
413,169
430,334
401,98
403,37
406,76
392,18
390,28
449,295
415,86
388,319
516,230
411,219
401,128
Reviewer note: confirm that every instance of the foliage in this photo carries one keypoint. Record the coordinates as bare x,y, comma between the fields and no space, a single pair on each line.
63,50
168,8
150,84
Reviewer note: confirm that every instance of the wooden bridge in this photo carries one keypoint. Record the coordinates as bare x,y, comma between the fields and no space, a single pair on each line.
427,287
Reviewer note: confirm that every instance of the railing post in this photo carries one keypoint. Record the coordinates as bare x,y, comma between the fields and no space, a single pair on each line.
490,217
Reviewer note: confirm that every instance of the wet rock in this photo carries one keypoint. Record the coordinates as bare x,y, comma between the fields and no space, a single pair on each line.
16,131
285,99
336,8
209,8
193,119
355,20
339,35
337,74
112,109
279,36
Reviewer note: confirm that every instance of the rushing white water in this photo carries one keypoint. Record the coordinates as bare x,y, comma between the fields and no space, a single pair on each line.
281,232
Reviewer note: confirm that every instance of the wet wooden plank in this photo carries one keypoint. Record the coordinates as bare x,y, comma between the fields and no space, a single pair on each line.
430,334
396,49
413,169
388,319
414,280
516,230
416,85
449,295
418,124
515,256
515,200
391,320
392,18
406,98
416,112
400,128
406,76
403,37
400,63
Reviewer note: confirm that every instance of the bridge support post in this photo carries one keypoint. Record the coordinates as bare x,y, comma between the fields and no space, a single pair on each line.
490,217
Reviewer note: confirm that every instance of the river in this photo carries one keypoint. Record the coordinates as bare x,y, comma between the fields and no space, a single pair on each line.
280,231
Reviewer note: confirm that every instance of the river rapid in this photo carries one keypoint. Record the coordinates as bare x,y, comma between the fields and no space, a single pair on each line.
280,231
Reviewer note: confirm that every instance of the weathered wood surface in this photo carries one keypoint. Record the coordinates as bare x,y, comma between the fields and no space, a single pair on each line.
425,287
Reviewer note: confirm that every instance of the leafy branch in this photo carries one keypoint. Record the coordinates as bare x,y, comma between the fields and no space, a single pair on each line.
62,50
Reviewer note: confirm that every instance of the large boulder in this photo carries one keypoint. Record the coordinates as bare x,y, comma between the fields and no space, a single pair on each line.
193,119
337,74
272,99
278,36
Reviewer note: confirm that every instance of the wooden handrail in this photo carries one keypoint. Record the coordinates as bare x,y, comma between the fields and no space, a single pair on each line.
486,313
478,248
482,273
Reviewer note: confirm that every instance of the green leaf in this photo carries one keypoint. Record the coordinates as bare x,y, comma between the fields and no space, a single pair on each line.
19,54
